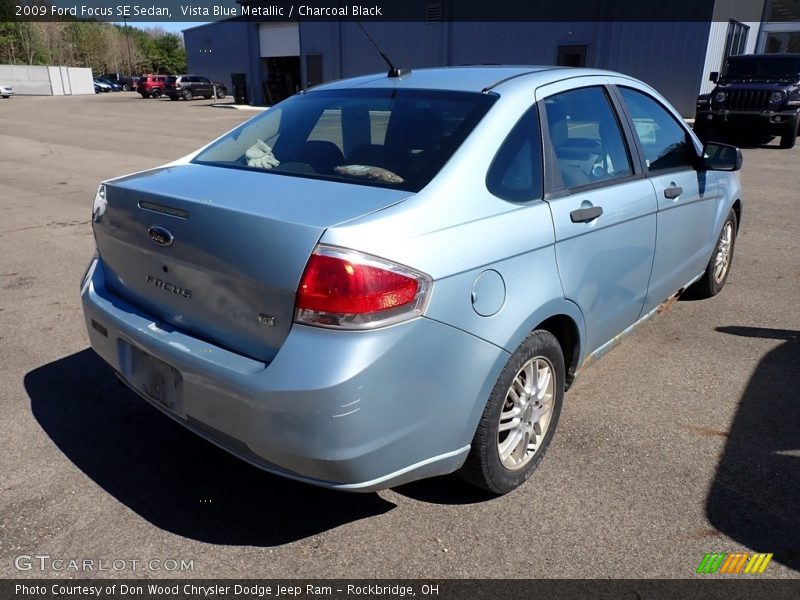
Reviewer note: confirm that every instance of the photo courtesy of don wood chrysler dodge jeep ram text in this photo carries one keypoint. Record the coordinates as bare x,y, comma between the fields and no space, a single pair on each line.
391,278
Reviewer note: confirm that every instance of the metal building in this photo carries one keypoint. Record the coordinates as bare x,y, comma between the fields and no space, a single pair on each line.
266,62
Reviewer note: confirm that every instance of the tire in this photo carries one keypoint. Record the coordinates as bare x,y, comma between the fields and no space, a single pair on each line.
155,93
496,462
145,95
188,95
126,88
719,265
171,97
788,139
221,93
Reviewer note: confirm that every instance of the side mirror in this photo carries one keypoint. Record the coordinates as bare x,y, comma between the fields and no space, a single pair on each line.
714,76
722,157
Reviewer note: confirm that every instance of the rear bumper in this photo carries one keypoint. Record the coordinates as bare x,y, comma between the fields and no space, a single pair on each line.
356,411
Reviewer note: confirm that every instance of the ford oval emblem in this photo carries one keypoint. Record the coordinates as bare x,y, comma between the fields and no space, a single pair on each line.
160,235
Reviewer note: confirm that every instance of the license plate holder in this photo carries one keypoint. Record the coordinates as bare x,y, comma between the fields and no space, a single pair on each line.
160,382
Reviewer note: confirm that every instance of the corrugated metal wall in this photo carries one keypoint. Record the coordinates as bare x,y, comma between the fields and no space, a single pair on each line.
675,58
47,81
219,49
669,56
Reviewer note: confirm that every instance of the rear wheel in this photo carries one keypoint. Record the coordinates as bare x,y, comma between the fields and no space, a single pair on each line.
173,97
220,93
520,417
155,92
126,88
716,273
187,94
145,95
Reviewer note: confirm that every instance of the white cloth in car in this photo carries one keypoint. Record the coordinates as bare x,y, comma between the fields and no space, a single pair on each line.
260,155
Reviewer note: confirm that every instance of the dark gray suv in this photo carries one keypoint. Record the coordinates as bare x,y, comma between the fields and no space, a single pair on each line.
757,96
192,86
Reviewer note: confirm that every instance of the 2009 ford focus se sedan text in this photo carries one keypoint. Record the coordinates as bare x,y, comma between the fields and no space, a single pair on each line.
391,278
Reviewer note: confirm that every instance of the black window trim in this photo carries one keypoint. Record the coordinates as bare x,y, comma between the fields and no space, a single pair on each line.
640,150
531,108
554,186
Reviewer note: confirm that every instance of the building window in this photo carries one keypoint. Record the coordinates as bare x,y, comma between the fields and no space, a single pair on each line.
782,41
736,42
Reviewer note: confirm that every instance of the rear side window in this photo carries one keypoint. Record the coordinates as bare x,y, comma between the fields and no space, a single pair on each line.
382,137
586,137
665,143
516,171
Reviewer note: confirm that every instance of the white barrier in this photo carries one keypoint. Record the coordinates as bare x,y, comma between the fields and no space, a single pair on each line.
47,81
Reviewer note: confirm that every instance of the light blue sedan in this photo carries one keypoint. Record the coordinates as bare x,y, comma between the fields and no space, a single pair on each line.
396,277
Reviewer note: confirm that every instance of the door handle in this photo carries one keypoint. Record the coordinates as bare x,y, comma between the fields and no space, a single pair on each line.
673,192
584,215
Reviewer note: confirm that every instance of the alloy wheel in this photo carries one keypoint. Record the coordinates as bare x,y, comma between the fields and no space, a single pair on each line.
526,413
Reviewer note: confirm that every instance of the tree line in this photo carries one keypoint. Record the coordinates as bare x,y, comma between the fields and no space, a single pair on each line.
103,47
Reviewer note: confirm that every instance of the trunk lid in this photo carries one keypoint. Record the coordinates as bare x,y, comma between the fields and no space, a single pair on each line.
238,242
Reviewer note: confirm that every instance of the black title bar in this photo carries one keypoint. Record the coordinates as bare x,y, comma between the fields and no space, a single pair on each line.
431,11
734,588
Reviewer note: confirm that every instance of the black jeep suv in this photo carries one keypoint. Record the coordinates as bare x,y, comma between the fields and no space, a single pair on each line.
193,86
757,96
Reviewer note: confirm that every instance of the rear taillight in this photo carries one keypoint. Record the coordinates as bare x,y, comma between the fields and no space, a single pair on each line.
345,289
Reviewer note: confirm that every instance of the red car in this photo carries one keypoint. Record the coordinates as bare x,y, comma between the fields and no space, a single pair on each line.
151,86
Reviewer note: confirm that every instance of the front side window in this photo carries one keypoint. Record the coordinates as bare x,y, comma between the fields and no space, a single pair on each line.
586,137
665,144
389,138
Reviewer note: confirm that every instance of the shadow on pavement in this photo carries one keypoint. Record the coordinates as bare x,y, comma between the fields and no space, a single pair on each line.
755,497
170,476
450,489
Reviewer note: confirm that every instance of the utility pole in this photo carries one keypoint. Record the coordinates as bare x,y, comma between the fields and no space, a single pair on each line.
128,42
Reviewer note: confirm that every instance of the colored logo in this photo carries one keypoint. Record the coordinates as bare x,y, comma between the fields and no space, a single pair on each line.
734,562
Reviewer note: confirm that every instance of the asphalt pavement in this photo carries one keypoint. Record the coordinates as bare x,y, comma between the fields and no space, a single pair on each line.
683,440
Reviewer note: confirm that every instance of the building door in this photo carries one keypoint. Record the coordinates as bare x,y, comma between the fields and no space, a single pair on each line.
282,78
313,70
571,56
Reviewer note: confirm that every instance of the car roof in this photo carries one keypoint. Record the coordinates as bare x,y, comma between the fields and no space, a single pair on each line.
468,78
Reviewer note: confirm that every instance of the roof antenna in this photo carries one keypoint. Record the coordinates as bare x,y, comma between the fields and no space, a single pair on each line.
393,71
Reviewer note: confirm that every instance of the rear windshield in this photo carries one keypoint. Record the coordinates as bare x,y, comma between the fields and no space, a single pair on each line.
171,79
389,138
762,67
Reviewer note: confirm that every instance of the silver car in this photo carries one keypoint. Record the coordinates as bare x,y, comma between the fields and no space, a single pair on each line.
6,91
389,278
